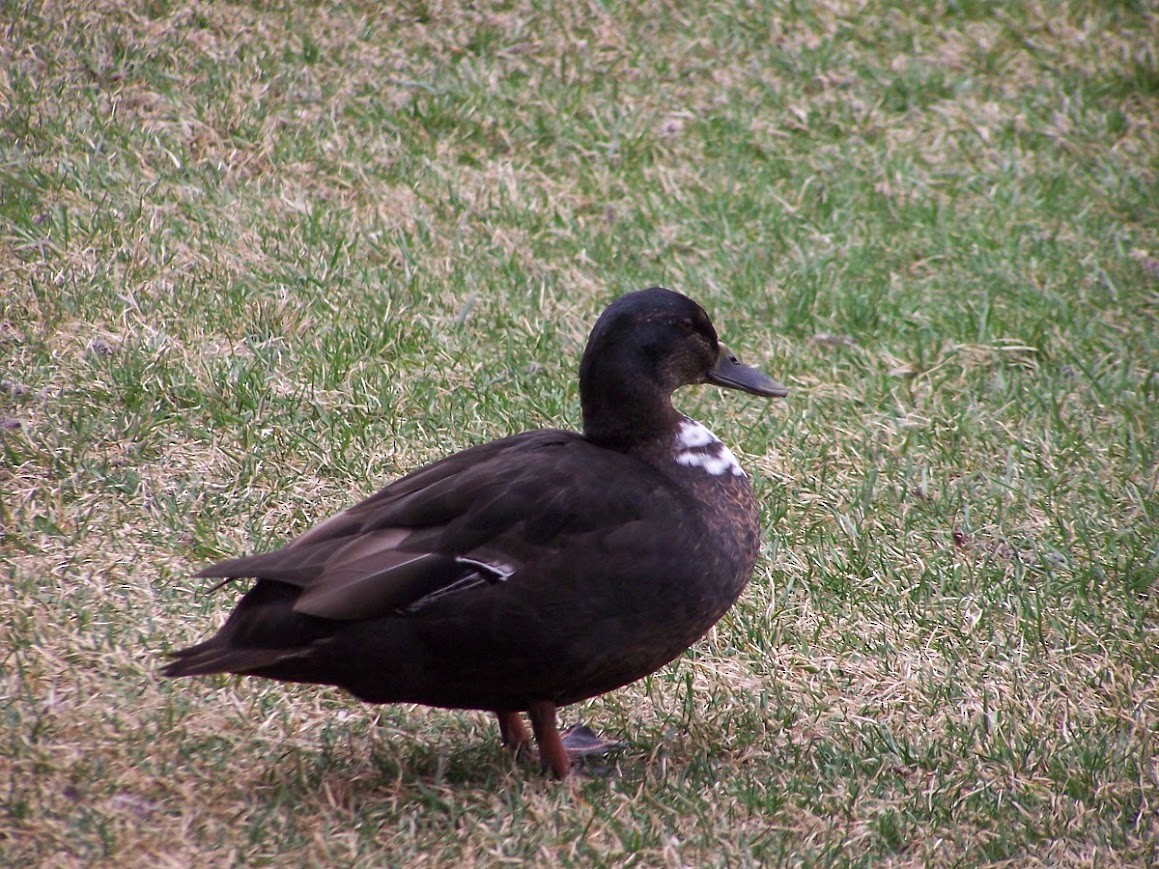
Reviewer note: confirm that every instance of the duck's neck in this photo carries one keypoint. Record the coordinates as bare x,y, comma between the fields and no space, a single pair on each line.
628,417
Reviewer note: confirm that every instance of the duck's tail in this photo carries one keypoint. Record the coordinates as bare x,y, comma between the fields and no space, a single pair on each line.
262,637
215,656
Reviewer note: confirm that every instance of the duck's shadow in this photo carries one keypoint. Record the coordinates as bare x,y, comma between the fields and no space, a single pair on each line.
414,770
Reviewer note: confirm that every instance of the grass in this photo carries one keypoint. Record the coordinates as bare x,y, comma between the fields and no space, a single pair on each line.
258,259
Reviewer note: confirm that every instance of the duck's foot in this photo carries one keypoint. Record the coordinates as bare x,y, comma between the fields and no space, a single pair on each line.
557,751
513,733
552,754
580,741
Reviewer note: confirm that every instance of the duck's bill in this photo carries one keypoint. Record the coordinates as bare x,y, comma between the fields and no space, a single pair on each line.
731,373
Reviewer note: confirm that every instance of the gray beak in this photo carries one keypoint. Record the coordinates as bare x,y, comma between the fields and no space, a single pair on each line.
731,373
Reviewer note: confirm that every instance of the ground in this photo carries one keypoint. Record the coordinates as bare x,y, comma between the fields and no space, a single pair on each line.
256,260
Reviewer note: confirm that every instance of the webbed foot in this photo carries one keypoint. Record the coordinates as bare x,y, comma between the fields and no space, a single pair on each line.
557,751
579,741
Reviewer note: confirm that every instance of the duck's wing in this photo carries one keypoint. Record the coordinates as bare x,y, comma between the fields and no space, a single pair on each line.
473,519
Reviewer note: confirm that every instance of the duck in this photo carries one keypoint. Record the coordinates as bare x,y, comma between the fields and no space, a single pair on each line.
529,573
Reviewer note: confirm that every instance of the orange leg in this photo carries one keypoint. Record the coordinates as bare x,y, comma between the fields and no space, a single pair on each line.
552,754
512,732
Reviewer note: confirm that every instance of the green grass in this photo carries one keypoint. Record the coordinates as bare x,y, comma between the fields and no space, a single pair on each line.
257,260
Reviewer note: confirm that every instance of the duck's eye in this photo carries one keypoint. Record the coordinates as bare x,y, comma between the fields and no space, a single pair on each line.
686,324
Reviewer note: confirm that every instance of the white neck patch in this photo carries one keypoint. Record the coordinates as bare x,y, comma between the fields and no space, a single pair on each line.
697,447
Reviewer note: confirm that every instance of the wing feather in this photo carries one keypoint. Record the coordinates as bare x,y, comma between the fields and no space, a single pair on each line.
469,521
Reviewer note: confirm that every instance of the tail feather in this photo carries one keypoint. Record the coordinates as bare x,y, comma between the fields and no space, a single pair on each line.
210,657
262,637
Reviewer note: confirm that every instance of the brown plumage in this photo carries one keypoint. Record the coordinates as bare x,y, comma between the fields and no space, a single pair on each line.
527,573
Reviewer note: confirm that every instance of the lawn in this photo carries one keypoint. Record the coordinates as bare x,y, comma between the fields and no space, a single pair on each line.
256,260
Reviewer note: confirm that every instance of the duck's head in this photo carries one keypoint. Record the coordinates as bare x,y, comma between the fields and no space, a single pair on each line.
645,346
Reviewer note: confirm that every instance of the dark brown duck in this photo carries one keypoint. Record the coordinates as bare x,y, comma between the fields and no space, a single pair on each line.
527,573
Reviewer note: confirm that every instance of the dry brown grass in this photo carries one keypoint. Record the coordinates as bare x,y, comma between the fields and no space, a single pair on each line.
255,260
